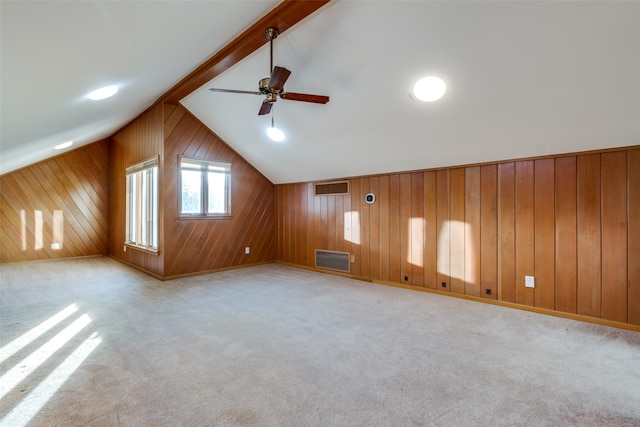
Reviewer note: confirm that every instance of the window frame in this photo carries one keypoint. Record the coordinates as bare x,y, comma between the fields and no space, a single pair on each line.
147,229
204,193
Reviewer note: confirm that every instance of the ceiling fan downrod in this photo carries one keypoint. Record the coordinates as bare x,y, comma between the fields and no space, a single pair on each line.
271,33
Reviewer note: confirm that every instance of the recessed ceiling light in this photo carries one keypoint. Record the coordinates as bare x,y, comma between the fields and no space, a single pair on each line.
63,145
429,89
103,93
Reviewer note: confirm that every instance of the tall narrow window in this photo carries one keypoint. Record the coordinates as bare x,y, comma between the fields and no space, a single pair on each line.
142,205
205,188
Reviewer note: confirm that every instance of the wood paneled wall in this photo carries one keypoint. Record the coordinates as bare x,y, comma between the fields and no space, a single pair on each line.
140,140
62,200
189,246
572,222
193,245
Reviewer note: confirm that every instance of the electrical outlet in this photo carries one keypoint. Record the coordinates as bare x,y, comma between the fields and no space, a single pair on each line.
353,259
246,250
487,291
530,281
444,284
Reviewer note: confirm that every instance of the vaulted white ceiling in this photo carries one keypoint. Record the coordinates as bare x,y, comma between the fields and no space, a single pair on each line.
524,79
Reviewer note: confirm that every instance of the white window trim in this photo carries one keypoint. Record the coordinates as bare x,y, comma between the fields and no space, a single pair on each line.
151,222
199,164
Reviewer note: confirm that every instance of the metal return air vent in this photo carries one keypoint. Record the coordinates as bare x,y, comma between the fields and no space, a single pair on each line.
332,260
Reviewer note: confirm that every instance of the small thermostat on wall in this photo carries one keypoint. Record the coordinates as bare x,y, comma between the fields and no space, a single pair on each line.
370,198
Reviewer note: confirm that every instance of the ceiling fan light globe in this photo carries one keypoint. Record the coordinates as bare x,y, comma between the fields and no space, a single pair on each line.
429,89
275,134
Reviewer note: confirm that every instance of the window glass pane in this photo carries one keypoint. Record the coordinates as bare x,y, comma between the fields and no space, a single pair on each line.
144,214
217,193
142,206
191,192
154,208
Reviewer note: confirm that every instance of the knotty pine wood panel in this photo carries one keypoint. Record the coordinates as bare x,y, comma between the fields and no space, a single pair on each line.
62,200
506,232
140,140
633,233
525,231
472,231
196,245
417,229
544,217
430,231
489,231
589,237
566,234
444,229
614,236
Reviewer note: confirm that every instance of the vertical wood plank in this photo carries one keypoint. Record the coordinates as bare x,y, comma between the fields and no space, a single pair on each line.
472,231
444,230
544,216
416,225
566,237
310,221
633,256
395,271
331,222
356,237
457,230
346,224
614,236
430,231
506,233
365,229
339,214
374,230
405,228
589,237
489,231
524,230
383,200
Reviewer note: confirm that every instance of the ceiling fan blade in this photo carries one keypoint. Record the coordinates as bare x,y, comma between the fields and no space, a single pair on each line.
213,89
265,108
278,78
305,97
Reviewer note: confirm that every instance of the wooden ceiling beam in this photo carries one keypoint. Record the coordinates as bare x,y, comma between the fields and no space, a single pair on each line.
284,16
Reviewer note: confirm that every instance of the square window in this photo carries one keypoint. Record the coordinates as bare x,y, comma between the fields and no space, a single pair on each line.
204,188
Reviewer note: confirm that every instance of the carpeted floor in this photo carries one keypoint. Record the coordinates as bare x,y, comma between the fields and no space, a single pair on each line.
93,342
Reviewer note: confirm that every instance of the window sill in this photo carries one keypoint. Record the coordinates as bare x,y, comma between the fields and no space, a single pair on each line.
141,249
201,217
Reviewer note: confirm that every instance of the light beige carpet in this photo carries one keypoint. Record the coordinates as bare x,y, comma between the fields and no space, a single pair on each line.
93,342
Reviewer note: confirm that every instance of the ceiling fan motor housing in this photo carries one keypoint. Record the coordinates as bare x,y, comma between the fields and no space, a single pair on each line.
263,86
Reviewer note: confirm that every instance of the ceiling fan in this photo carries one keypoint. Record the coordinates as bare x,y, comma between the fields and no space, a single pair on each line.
273,87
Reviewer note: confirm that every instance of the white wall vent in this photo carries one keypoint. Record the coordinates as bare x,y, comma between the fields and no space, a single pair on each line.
334,187
333,260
